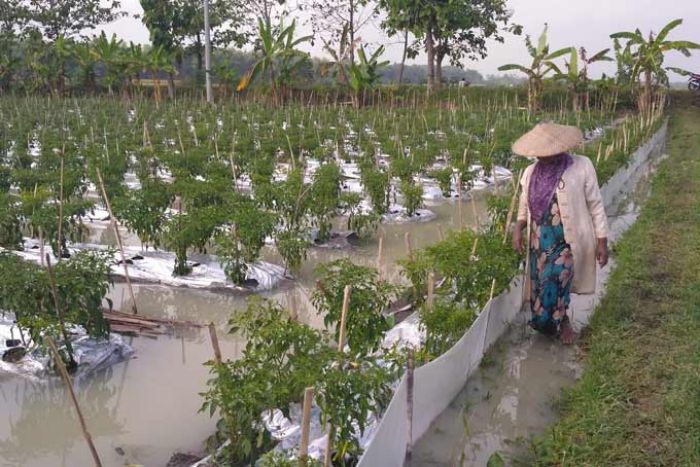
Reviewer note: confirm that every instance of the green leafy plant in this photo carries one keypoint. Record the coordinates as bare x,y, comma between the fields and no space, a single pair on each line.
370,298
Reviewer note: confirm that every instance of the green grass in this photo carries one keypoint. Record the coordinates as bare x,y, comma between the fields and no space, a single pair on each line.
638,401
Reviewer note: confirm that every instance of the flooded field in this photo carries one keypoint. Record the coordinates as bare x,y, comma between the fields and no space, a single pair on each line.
142,411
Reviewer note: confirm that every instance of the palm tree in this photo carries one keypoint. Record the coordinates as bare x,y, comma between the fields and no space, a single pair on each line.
648,58
280,58
541,66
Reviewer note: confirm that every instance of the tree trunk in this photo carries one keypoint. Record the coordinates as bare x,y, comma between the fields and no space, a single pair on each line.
647,97
440,56
351,24
403,57
430,51
171,85
198,48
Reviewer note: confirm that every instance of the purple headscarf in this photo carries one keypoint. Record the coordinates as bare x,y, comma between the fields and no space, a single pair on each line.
543,183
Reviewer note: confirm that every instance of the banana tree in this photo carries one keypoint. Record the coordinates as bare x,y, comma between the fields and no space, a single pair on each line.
576,75
110,53
280,59
136,61
542,65
648,54
85,59
364,75
158,60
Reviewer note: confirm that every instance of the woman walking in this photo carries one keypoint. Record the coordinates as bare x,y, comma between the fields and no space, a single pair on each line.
562,208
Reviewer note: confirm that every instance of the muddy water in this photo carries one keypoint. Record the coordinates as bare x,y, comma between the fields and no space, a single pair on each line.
141,411
514,395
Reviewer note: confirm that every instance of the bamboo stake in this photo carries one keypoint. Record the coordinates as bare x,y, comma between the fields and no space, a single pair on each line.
60,209
215,343
119,240
305,426
343,318
476,215
407,242
59,310
509,216
460,221
476,242
431,290
69,385
341,346
380,256
410,364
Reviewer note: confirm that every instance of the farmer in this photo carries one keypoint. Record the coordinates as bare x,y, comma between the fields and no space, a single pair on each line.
562,208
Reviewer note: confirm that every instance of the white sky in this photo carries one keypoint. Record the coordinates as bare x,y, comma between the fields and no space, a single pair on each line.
577,23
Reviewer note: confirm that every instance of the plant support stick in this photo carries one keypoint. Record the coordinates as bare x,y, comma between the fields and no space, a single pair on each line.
119,240
66,380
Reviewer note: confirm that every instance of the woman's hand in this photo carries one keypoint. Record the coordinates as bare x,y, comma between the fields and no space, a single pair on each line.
518,244
602,252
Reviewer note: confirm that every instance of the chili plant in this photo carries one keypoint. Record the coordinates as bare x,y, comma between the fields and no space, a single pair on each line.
370,298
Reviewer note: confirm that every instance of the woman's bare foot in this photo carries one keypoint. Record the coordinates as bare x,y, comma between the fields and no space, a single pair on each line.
567,334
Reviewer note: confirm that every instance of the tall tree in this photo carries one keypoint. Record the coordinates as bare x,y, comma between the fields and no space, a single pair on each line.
69,18
177,26
338,22
401,16
457,29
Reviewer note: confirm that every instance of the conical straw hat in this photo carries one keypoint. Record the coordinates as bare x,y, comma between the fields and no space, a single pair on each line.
548,139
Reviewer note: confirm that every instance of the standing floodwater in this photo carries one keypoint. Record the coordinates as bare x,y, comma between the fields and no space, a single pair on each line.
143,410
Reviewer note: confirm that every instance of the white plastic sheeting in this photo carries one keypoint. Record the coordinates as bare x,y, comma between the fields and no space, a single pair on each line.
438,382
90,354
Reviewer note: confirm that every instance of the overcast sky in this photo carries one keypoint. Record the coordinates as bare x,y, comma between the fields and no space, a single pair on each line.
577,23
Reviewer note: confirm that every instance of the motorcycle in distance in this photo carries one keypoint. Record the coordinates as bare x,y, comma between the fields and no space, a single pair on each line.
694,82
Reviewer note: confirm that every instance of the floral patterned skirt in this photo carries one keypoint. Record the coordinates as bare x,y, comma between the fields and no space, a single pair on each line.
551,271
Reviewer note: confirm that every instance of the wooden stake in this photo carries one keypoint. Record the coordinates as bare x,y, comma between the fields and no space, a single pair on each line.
60,211
305,426
476,215
509,217
476,242
69,385
460,221
409,404
380,256
341,346
215,343
343,318
431,290
119,240
407,242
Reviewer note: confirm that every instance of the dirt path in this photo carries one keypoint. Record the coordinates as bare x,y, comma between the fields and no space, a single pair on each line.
638,401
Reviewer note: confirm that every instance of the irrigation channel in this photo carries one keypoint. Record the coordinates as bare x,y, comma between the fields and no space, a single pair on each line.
144,410
514,393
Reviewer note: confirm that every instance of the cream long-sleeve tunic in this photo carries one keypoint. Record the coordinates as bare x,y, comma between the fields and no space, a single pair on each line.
582,213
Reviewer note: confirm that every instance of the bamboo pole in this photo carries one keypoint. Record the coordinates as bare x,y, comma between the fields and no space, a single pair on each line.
380,256
60,210
305,426
431,290
460,217
407,243
477,222
119,240
69,385
59,310
341,346
410,364
215,343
